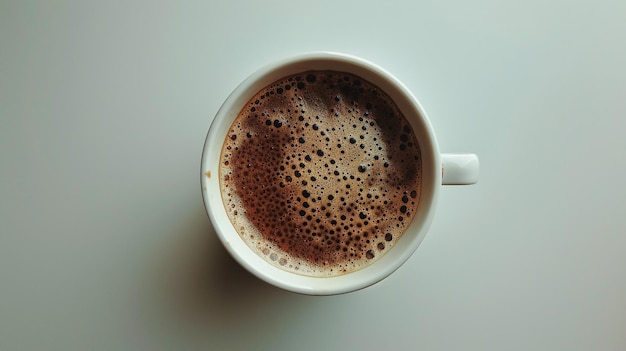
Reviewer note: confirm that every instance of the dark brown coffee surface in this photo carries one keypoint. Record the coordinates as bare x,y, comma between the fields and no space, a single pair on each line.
321,173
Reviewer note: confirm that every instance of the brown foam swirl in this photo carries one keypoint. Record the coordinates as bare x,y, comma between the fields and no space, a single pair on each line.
321,173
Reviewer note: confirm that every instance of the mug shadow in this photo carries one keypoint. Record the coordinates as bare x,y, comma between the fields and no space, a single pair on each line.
200,285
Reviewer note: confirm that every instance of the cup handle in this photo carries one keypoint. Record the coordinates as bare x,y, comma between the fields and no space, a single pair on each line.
459,169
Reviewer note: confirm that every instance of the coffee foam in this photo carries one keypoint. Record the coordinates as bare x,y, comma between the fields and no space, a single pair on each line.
320,173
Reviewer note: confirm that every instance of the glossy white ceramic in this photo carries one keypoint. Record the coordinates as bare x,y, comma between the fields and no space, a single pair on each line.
455,169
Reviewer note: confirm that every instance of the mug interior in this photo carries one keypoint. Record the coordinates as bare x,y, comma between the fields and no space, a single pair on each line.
430,182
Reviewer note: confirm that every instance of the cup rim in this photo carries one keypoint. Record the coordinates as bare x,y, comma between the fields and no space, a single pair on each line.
431,174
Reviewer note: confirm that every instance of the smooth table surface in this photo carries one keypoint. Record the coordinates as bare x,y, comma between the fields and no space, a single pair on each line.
105,244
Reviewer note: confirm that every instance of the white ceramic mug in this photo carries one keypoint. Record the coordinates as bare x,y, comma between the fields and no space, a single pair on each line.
437,170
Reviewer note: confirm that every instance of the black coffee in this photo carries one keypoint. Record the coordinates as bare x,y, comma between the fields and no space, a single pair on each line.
321,173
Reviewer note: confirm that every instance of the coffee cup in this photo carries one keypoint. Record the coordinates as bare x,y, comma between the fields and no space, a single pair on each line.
321,173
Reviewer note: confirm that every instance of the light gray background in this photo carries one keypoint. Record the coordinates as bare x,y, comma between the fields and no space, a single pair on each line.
105,245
